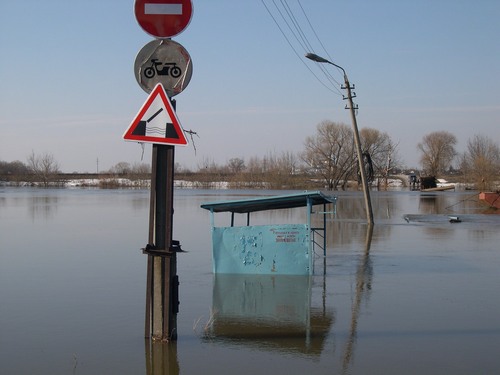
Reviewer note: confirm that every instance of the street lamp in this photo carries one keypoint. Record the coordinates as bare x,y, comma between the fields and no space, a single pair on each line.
366,192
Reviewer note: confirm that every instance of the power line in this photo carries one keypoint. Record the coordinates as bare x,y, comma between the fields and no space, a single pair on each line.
303,37
322,67
292,24
317,38
336,91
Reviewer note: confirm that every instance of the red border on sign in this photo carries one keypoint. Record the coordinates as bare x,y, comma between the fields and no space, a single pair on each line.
181,141
161,24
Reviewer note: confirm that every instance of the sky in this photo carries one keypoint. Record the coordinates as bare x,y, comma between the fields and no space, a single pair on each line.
68,87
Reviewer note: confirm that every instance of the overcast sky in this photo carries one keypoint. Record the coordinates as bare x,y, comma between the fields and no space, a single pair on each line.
67,84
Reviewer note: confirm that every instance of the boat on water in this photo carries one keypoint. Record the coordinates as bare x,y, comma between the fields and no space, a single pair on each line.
430,184
438,188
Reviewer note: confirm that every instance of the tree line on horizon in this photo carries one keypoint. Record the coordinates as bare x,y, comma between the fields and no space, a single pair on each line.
328,159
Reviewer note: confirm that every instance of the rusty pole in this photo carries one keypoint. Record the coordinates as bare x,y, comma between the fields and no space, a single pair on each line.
162,280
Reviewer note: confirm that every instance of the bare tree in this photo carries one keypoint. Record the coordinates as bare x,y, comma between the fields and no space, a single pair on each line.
280,170
209,172
236,165
122,168
208,165
438,151
141,171
44,167
330,153
273,170
14,168
481,161
381,150
256,172
15,171
287,163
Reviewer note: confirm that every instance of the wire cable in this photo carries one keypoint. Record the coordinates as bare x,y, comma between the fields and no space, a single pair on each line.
318,39
292,24
305,42
335,90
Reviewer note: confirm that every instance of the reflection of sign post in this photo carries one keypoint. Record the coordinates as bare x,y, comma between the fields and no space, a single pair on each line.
163,18
166,62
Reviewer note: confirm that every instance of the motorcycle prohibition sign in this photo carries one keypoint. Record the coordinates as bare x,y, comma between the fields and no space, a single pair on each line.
167,69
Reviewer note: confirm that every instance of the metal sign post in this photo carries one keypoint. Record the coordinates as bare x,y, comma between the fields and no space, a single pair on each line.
162,68
162,281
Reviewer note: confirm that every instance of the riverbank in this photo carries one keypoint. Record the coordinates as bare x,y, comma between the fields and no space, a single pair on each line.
204,181
138,183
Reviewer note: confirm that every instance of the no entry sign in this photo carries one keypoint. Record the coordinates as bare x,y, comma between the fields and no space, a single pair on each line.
163,18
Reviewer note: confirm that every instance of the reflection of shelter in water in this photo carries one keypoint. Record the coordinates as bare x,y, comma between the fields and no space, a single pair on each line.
270,311
267,249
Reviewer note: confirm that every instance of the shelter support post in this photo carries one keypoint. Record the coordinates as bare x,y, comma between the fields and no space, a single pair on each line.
324,229
310,229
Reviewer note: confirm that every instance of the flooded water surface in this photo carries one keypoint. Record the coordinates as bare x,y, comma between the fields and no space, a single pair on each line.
414,295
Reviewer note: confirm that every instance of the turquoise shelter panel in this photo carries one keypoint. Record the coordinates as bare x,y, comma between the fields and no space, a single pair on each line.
262,249
274,300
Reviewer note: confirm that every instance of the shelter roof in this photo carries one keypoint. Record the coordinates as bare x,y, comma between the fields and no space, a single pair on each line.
270,203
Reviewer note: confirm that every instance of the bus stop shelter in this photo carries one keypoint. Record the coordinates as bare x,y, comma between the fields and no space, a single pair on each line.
273,248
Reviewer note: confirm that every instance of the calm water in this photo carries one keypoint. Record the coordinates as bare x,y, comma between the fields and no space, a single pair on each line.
413,297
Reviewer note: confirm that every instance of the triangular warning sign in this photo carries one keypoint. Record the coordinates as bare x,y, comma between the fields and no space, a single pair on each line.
156,122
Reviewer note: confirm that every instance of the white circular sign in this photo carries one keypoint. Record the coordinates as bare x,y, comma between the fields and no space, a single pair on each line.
166,62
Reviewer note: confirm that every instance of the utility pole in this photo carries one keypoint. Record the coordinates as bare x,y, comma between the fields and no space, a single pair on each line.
361,163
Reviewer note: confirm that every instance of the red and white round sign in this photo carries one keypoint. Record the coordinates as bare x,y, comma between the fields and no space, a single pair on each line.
163,18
